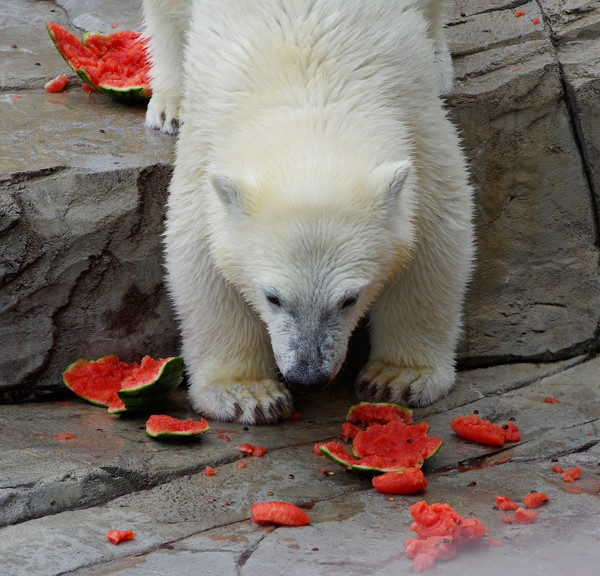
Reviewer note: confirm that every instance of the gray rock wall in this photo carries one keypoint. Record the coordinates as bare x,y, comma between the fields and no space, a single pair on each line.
83,186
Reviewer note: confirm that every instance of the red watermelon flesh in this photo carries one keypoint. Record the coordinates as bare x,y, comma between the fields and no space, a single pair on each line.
476,429
367,413
98,381
339,454
406,445
116,63
120,386
161,425
408,481
435,525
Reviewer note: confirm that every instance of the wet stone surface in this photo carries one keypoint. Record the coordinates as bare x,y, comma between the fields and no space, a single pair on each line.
59,497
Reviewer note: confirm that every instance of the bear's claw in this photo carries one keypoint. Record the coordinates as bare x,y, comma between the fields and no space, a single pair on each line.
259,402
406,385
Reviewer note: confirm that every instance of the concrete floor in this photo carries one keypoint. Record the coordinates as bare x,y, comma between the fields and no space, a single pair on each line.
59,497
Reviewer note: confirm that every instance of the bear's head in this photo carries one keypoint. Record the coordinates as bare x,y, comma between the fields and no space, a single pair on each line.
310,252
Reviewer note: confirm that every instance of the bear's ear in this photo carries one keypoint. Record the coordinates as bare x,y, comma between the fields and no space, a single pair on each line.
229,194
388,181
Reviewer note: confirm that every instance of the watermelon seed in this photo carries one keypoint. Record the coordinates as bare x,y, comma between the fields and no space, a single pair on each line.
409,440
269,493
37,64
475,411
291,476
14,46
315,549
471,484
101,131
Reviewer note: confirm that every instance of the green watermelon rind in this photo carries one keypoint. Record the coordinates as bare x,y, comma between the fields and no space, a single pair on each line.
169,377
348,465
356,407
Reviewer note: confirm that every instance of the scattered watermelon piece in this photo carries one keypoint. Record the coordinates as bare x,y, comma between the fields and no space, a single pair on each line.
65,436
524,516
558,469
56,84
119,386
367,413
163,426
549,400
519,13
505,503
116,64
572,474
535,499
118,536
493,543
281,513
440,529
408,481
251,450
209,471
475,429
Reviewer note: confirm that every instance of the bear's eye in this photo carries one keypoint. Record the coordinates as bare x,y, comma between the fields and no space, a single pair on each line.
349,301
274,300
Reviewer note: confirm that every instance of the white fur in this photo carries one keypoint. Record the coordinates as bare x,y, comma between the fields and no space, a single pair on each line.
317,179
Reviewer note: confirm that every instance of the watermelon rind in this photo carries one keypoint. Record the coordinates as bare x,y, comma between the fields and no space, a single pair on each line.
332,451
129,94
353,414
148,393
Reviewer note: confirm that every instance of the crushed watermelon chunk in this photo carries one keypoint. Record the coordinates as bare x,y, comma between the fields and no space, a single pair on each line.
475,429
118,536
436,525
281,513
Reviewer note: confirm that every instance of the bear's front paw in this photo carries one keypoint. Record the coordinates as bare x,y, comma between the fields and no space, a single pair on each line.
163,111
253,402
379,381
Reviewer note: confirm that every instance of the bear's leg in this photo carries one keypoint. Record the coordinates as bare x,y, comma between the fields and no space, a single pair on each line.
435,13
227,351
416,321
165,24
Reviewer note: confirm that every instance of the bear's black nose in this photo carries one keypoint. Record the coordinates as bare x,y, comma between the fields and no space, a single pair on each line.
307,382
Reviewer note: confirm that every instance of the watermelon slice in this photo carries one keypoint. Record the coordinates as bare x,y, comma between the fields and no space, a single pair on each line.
367,413
281,513
407,445
163,426
119,386
116,64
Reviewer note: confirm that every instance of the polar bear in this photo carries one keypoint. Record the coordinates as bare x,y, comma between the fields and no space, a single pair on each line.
317,180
